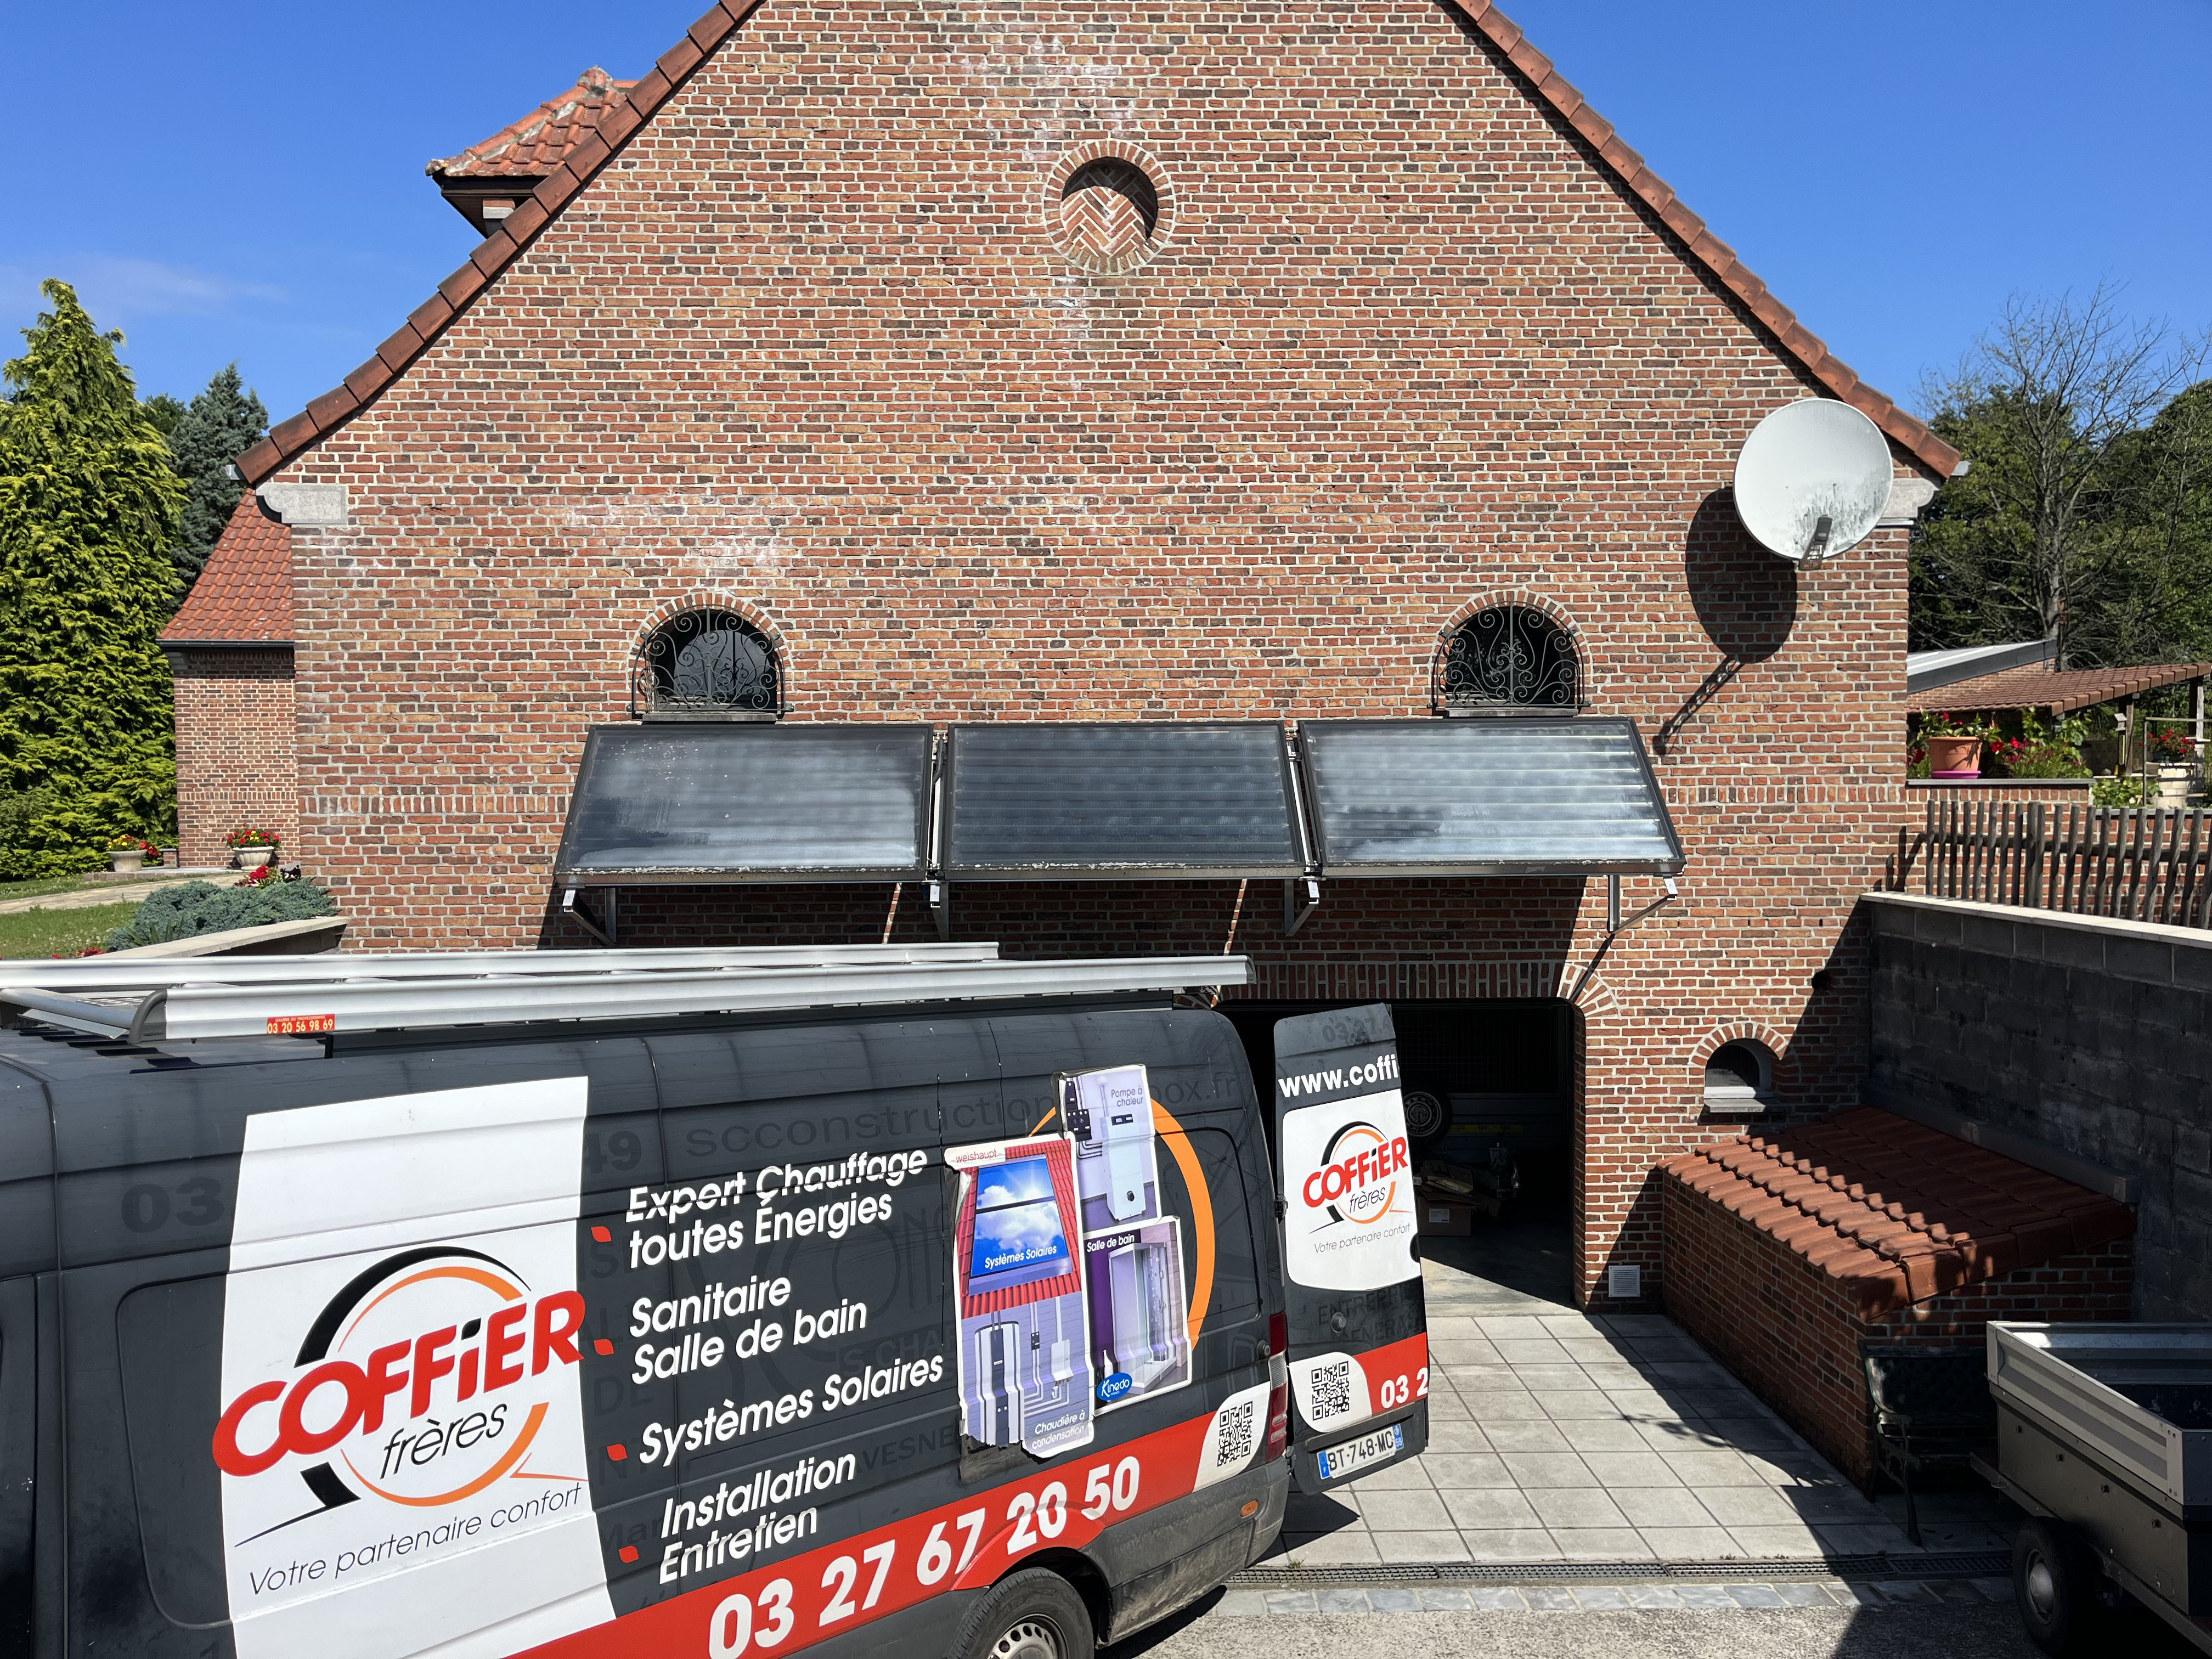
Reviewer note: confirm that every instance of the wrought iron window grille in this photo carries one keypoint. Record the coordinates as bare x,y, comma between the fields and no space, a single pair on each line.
1511,660
706,664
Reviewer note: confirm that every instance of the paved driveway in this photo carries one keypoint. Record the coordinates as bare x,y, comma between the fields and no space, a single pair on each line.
1555,1435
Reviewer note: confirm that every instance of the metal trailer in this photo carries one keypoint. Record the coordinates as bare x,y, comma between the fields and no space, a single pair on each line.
2105,1438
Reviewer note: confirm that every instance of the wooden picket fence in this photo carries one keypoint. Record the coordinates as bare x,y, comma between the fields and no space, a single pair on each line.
2143,864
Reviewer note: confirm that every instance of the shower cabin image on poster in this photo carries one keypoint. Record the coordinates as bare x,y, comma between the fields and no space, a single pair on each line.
1132,1249
1024,1349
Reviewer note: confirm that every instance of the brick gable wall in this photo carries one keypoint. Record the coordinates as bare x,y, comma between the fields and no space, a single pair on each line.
806,347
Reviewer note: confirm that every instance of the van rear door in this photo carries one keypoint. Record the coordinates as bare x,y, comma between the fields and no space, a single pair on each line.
1358,1327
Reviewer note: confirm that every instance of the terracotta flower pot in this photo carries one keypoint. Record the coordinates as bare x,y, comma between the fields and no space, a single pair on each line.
1954,758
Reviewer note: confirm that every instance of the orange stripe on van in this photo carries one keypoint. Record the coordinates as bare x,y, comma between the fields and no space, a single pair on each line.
1201,1212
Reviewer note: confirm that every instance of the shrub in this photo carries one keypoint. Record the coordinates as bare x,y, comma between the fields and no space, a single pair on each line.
201,906
41,837
2123,792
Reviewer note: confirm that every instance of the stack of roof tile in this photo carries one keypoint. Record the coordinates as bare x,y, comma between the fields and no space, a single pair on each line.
1896,1211
244,594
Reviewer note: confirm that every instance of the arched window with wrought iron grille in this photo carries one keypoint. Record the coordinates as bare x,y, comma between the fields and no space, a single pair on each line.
1508,658
706,664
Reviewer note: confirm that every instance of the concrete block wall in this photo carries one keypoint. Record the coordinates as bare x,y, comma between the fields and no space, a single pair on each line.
2092,1038
1793,1335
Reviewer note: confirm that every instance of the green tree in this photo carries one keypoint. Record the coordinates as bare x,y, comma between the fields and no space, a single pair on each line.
222,423
164,411
89,502
2046,408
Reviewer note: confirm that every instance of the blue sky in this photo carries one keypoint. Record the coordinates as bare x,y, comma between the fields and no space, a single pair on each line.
245,181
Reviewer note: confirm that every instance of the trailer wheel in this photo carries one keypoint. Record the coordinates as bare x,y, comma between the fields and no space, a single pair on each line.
1032,1614
2057,1584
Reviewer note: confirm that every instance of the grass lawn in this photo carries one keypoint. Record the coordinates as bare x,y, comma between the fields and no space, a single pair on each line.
44,884
60,933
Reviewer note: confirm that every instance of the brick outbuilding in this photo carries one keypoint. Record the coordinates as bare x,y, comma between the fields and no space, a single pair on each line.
1789,1254
951,365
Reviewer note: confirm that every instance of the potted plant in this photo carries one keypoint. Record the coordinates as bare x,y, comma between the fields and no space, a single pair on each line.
1954,745
251,849
2180,768
125,854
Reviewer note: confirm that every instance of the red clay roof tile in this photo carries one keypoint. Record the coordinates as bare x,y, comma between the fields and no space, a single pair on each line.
530,149
244,594
1900,1212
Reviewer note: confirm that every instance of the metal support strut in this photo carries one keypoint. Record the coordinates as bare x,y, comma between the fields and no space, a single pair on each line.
1296,913
1614,926
573,908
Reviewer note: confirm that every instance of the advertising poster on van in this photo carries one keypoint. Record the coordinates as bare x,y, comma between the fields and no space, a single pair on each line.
1358,1327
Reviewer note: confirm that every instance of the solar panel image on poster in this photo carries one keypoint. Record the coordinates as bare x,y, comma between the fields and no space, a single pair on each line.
1482,796
1018,1226
1134,798
685,802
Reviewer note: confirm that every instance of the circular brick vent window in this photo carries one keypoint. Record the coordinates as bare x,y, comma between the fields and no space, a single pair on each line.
1110,215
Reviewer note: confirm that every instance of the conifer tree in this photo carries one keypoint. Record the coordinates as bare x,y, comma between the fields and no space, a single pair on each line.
88,503
220,425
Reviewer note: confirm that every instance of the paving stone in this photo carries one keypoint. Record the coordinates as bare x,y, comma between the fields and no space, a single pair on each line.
1241,1604
1579,1405
1457,1437
1531,1470
1291,1602
1797,1595
1541,1380
1600,1544
1710,1542
1785,1543
1518,1436
1550,1598
1543,1352
1530,1329
1648,1507
1711,1468
1865,1596
1500,1600
1490,1510
1652,1595
1994,1590
1705,1595
1348,1548
1533,1544
1402,1512
1431,1545
1342,1600
1754,1596
1394,1600
1505,1405
1446,1601
1576,1506
1395,1477
1756,1506
1907,1592
1600,1598
1450,1469
1612,1434
1646,1469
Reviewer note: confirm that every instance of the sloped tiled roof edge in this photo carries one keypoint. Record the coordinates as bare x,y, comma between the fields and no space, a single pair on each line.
327,413
1905,431
244,596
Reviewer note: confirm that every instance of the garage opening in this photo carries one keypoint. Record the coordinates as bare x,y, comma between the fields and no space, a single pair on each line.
1489,1091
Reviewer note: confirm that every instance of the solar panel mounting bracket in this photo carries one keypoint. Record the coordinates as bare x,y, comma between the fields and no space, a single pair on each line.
572,906
1298,911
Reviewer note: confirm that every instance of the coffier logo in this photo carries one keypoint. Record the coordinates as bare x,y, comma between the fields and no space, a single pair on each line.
411,1380
1357,1179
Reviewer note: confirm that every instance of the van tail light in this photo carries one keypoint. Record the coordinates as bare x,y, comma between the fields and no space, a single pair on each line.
1278,1386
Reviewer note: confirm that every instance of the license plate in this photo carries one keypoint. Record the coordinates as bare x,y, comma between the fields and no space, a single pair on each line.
1340,1460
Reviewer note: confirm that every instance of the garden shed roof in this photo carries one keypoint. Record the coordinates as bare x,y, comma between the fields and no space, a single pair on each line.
244,596
2038,687
1895,1211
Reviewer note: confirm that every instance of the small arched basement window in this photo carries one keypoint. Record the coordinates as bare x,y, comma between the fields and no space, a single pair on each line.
707,663
1509,658
1740,1078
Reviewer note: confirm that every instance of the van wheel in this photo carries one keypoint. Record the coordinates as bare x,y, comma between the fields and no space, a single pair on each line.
1428,1118
1033,1615
2058,1587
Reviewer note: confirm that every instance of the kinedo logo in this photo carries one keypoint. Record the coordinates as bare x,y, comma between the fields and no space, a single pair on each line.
415,1384
1358,1177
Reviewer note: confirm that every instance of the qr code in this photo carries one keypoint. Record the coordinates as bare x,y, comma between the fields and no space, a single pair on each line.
1232,1442
1332,1391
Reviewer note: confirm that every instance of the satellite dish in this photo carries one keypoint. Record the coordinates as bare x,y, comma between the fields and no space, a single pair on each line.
1812,479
